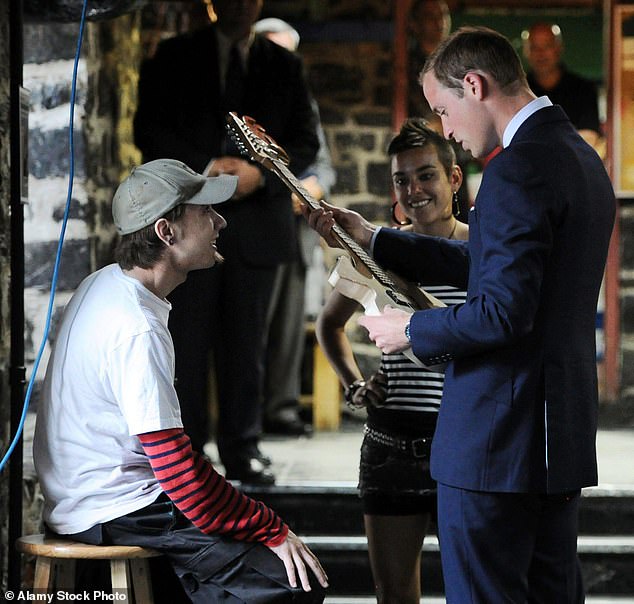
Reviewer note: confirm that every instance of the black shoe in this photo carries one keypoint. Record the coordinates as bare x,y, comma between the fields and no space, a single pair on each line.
249,471
287,423
263,458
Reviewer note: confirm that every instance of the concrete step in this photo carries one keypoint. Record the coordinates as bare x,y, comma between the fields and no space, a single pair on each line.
334,508
607,562
441,600
329,513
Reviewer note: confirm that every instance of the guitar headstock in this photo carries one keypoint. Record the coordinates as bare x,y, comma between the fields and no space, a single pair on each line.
254,142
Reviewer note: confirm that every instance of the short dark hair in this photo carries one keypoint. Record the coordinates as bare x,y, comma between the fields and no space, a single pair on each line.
143,248
476,49
416,132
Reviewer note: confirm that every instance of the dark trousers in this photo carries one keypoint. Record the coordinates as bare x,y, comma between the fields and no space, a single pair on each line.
286,339
211,568
509,547
222,309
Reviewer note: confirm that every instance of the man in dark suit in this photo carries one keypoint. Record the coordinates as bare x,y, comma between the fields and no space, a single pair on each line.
185,92
515,440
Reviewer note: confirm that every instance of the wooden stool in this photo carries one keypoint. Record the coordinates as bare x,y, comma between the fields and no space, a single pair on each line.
55,565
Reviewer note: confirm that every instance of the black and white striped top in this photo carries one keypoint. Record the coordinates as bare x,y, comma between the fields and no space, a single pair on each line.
410,387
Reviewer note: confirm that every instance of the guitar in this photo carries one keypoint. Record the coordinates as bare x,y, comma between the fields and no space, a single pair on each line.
384,287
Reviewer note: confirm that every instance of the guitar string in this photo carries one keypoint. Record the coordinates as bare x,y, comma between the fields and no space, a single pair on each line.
260,149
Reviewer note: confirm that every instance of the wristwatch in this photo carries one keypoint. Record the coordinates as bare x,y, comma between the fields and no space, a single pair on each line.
407,334
348,393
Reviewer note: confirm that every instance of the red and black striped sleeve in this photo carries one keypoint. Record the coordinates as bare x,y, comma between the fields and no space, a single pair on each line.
204,496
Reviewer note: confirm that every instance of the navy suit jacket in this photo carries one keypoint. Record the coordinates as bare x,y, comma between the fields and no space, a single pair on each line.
519,408
181,114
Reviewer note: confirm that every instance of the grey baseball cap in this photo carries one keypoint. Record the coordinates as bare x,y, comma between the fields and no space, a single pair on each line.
153,189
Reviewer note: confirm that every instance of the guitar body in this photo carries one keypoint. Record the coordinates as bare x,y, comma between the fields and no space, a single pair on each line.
373,296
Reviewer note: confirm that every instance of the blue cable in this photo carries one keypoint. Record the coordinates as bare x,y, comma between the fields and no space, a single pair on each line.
58,257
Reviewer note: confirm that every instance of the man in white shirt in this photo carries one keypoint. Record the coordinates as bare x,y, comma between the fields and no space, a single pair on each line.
114,462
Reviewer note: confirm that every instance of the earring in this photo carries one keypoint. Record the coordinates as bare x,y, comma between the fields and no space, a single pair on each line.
455,206
395,217
170,241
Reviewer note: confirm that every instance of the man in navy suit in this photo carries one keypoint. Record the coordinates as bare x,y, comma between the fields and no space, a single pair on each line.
185,92
515,440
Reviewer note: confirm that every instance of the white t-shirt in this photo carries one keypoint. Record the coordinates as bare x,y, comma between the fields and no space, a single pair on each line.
110,377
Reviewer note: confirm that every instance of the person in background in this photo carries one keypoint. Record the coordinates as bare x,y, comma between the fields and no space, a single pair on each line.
429,24
115,464
547,75
515,440
286,335
402,398
220,317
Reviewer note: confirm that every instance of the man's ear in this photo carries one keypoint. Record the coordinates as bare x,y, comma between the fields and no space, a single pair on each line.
164,232
475,85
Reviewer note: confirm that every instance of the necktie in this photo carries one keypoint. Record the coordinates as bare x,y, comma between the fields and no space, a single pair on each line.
235,81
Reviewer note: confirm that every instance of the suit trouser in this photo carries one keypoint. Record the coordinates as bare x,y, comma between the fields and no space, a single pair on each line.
222,309
211,568
286,337
509,547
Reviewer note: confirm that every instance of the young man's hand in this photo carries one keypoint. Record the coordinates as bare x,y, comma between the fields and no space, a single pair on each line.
296,555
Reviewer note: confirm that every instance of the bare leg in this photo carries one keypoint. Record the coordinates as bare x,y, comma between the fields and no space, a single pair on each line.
394,544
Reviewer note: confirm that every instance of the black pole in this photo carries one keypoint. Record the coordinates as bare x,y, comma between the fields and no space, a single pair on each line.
17,370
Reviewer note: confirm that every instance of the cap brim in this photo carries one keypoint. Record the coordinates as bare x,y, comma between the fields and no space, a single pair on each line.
215,190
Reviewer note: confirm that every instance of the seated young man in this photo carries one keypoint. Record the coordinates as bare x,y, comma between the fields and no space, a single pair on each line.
113,460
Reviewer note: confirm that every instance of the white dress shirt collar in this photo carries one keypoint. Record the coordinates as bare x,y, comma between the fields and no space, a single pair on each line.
521,116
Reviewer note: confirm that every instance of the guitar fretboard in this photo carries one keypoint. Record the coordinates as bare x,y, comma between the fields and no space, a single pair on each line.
273,157
360,253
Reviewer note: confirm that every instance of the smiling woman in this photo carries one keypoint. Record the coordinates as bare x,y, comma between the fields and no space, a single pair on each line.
402,398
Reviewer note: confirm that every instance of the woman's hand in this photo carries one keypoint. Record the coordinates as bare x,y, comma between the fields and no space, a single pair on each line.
372,393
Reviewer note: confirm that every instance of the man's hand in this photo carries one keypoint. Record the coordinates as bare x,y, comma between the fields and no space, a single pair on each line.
323,219
250,177
387,330
295,555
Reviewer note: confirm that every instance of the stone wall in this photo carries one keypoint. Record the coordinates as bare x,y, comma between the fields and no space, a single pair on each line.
352,84
104,106
103,151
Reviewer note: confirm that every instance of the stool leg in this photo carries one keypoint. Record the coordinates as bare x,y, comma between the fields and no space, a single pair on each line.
42,573
140,571
120,577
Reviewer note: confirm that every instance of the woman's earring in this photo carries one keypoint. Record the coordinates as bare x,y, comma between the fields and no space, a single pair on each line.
455,206
170,241
395,217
